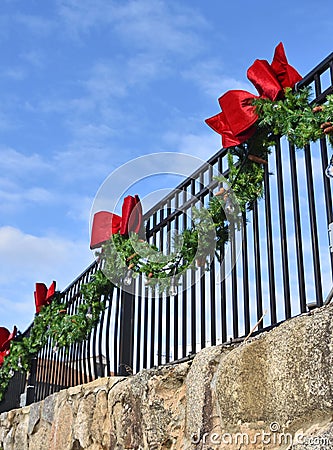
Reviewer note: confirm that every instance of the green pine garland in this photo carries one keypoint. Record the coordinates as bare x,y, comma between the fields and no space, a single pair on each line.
294,117
246,176
121,256
54,325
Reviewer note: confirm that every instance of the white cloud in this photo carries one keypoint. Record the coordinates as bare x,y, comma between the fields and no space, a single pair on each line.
211,78
160,26
22,180
10,198
40,256
80,16
200,145
92,133
157,26
16,309
144,67
30,259
107,80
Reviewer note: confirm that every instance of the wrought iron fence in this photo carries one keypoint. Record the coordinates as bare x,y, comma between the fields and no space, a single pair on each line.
274,266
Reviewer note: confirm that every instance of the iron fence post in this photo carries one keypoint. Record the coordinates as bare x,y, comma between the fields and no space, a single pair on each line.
126,335
31,385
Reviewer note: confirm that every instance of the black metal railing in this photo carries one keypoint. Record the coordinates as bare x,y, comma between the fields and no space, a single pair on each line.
274,266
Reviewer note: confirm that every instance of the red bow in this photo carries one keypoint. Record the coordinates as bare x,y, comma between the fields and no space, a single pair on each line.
5,339
43,295
236,122
105,224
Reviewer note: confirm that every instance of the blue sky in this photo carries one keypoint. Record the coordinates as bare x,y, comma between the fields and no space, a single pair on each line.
88,85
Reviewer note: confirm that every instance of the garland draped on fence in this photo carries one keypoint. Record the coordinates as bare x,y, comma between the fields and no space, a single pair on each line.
53,323
249,125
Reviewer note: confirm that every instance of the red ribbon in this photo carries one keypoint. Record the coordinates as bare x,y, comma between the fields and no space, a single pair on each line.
236,122
43,295
5,339
105,224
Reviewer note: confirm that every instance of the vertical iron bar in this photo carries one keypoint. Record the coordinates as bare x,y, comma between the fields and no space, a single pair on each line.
283,230
167,329
79,378
257,259
193,313
152,328
57,375
107,333
145,333
202,287
298,229
224,329
116,332
184,294
69,355
202,284
100,339
167,300
46,381
76,346
193,296
63,378
212,282
160,330
313,225
234,300
202,307
31,382
160,300
212,302
41,376
327,189
327,185
38,376
52,372
270,248
134,283
139,324
153,307
126,331
245,275
176,298
317,84
84,359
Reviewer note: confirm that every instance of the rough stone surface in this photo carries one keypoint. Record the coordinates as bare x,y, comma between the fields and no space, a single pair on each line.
201,412
283,376
148,410
274,391
34,417
48,408
100,424
83,420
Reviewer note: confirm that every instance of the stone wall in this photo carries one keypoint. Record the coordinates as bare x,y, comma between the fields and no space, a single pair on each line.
269,392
